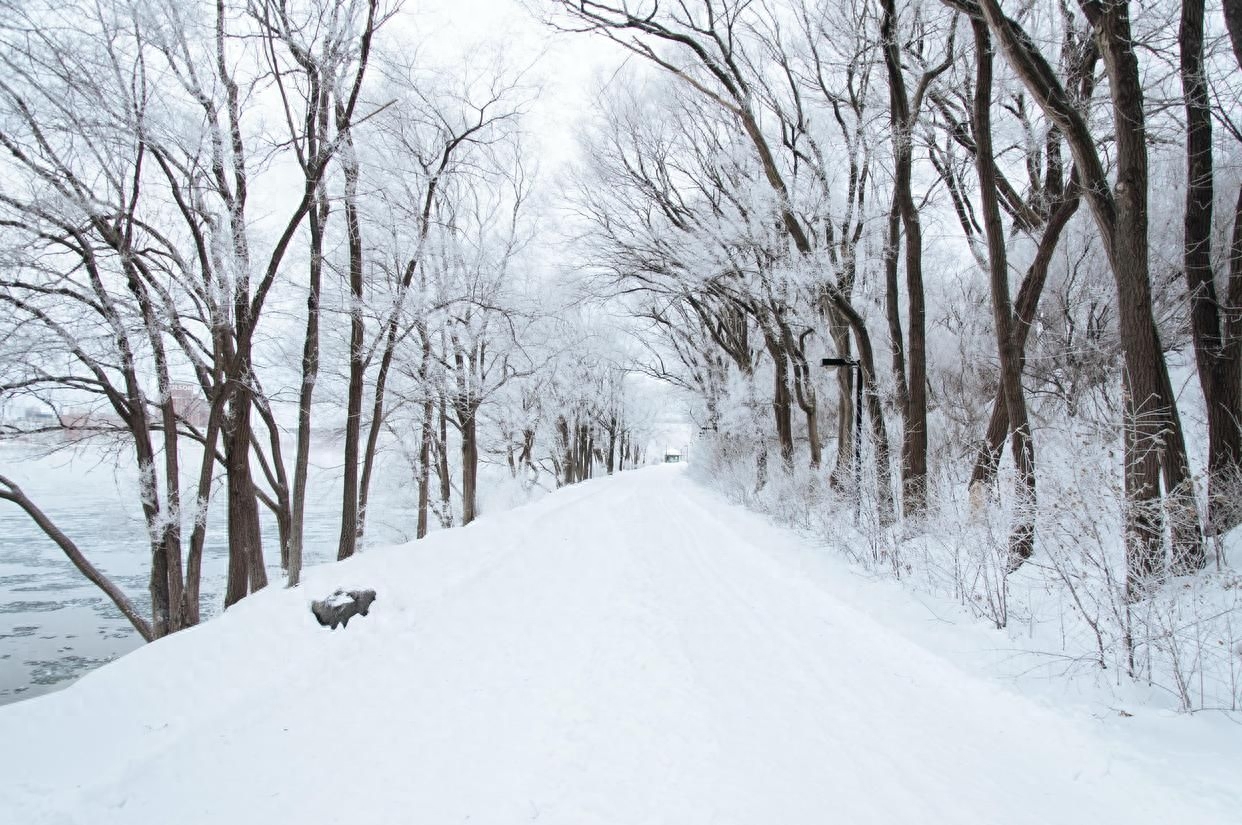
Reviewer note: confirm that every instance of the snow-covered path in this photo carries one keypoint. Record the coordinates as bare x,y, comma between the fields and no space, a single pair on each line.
628,651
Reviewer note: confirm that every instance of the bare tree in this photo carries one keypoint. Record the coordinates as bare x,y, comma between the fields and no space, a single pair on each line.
1217,345
1022,539
1154,441
327,48
439,134
710,40
904,112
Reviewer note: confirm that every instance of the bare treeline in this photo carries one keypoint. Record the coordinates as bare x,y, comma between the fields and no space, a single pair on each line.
225,227
790,179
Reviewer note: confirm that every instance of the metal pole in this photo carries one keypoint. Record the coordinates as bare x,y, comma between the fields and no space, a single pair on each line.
856,365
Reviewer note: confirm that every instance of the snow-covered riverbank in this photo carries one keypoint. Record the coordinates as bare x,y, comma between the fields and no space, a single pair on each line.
54,624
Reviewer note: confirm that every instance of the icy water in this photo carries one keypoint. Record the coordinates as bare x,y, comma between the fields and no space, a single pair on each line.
55,625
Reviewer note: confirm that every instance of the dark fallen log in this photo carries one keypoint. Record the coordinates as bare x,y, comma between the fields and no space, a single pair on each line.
342,606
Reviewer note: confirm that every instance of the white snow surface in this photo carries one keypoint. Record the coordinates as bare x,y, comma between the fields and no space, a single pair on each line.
629,650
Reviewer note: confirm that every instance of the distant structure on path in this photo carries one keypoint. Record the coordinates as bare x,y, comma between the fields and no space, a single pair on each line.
672,456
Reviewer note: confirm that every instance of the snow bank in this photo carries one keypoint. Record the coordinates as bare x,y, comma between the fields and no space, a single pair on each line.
628,650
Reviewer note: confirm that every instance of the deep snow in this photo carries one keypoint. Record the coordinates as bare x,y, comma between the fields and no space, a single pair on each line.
628,650
55,625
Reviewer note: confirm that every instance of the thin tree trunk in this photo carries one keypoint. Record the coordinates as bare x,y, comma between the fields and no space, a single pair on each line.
880,444
1217,378
565,458
782,404
424,467
469,461
442,466
202,501
371,448
310,373
173,585
246,572
1233,322
274,471
804,394
348,542
612,445
987,461
892,305
1022,533
526,457
914,430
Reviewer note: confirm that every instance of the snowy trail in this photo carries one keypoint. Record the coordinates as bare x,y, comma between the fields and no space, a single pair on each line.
631,650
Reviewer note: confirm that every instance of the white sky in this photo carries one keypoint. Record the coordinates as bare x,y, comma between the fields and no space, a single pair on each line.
568,66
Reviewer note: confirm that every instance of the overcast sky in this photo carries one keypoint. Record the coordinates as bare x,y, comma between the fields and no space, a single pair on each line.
570,67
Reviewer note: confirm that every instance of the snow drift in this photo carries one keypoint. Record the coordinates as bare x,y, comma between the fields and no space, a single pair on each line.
628,650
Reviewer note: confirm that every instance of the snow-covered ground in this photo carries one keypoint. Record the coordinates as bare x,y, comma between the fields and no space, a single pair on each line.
55,625
628,650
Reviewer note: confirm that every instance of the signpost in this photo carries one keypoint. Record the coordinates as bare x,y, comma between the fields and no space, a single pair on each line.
853,364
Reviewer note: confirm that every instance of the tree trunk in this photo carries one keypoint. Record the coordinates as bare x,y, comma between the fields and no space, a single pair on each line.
202,501
564,448
1022,534
246,571
442,466
1153,434
804,394
1155,430
466,411
612,445
424,467
892,305
782,403
527,457
1217,378
1233,22
1231,356
987,461
584,452
310,373
348,542
914,430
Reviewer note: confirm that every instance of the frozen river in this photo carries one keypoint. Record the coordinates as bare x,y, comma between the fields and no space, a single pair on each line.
55,625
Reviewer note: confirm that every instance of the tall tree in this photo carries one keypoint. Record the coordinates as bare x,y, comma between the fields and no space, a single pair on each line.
1216,342
912,359
1154,444
1022,538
